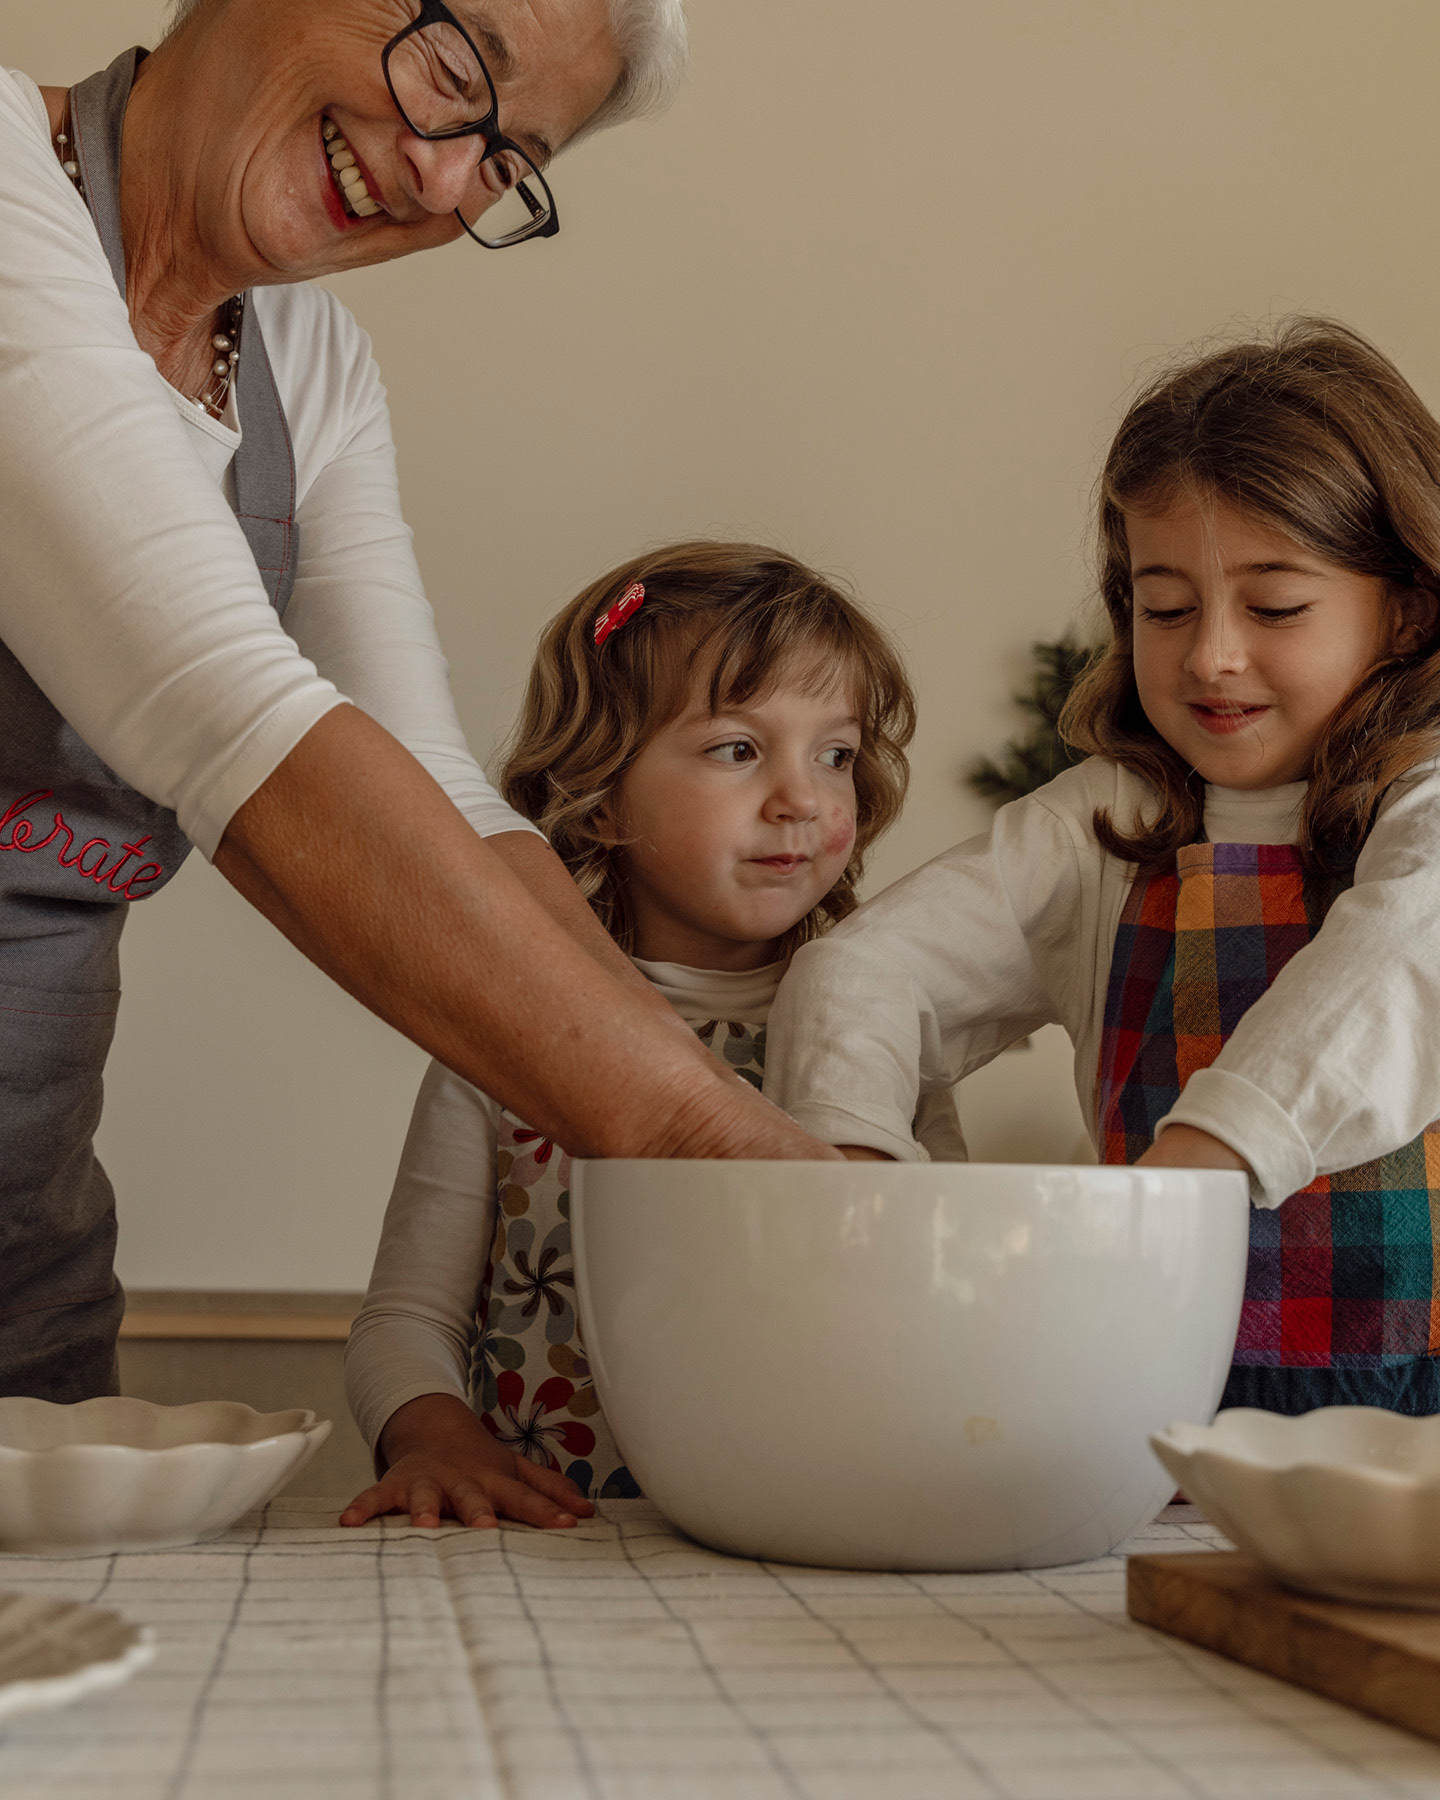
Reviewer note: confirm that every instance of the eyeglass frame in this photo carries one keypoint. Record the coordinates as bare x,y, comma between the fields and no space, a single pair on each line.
435,12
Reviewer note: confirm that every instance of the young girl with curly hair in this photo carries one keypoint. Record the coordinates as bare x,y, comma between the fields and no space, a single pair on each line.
1233,906
712,739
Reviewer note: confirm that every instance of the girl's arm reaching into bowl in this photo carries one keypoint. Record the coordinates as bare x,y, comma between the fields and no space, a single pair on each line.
1336,1062
1185,1147
938,974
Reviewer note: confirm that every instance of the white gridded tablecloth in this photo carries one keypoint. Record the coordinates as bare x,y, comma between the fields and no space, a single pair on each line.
621,1662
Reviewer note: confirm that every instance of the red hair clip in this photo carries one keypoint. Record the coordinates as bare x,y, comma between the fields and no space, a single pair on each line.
620,613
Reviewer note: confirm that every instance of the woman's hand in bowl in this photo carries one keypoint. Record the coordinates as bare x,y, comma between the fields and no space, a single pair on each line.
442,1462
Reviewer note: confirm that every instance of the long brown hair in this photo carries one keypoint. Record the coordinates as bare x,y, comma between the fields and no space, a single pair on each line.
740,616
1312,431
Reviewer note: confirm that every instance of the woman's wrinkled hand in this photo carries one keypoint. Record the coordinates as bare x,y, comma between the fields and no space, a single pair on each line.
443,1463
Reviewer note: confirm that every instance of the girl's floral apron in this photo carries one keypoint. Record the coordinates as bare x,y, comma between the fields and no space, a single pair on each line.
530,1381
1341,1296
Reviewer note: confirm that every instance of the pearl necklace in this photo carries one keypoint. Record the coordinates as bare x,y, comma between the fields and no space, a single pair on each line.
225,342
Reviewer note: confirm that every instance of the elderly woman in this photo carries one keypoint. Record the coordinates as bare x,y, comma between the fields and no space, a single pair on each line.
212,628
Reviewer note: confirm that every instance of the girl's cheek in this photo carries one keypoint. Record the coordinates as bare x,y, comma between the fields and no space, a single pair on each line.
839,834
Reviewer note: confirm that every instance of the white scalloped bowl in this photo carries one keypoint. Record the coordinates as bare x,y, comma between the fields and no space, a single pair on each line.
120,1474
1342,1502
905,1366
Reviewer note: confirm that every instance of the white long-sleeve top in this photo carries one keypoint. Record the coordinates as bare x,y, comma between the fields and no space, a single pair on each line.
1338,1063
127,590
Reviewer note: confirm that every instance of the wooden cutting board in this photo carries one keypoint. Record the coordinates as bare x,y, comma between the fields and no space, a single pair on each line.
1377,1660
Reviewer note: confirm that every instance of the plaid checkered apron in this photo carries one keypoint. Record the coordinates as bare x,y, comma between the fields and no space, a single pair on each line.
1342,1276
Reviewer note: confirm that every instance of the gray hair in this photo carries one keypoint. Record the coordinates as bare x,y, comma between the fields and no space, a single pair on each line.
654,44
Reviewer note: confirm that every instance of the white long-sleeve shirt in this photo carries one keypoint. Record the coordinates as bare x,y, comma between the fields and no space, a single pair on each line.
127,590
1338,1063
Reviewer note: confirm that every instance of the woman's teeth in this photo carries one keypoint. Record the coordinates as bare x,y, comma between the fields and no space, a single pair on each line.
348,178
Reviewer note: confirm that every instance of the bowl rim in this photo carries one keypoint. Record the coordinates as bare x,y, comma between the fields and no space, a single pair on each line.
305,1422
1150,1175
1216,1445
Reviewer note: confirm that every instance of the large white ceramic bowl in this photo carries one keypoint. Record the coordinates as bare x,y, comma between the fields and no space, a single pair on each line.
116,1474
1343,1501
925,1366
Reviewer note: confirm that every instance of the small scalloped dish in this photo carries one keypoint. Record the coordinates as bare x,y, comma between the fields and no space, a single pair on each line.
1342,1502
120,1474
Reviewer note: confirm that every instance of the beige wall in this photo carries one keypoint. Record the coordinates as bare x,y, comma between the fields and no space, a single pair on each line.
875,294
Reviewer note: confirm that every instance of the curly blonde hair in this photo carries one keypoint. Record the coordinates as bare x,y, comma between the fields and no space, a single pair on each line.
737,617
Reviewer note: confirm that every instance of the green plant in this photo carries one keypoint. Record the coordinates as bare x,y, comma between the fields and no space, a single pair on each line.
1038,754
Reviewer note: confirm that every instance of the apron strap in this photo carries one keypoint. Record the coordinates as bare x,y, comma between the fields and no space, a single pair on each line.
264,468
97,118
264,465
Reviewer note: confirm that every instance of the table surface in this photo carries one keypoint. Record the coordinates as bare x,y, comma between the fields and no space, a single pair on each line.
621,1662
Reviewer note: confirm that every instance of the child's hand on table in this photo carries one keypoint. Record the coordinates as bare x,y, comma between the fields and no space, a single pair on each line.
441,1460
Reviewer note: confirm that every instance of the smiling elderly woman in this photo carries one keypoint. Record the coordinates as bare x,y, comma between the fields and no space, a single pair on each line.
212,628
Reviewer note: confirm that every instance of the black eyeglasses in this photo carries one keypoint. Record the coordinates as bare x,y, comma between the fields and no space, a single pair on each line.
442,89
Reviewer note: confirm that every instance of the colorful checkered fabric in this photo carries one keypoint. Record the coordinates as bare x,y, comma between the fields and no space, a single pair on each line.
1343,1274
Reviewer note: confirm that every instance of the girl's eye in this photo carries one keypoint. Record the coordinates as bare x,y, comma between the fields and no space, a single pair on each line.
1165,615
1278,615
840,757
740,750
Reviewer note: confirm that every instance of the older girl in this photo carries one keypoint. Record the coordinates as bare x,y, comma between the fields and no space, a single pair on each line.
712,739
1234,906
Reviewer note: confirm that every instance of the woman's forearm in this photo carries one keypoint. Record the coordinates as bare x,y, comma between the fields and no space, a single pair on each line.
547,881
355,853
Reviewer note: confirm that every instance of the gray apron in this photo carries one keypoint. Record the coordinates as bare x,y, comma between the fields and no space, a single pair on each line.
77,844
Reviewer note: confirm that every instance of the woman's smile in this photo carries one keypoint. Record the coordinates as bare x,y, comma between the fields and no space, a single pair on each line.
299,158
352,185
